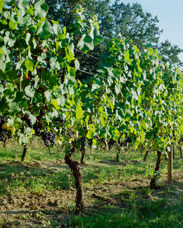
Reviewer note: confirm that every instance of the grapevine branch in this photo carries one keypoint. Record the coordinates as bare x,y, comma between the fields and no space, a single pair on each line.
88,55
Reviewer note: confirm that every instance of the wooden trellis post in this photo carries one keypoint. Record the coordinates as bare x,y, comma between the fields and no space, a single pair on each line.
170,165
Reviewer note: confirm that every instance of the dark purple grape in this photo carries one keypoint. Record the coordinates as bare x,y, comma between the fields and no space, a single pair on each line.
3,82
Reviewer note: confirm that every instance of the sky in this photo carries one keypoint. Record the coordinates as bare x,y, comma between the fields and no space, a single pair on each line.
170,15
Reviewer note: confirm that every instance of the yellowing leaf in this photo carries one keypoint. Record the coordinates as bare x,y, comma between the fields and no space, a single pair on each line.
12,130
94,143
1,5
79,111
29,65
142,136
87,119
127,56
71,140
91,131
5,126
101,110
59,142
117,133
102,120
55,104
89,134
1,51
111,104
92,128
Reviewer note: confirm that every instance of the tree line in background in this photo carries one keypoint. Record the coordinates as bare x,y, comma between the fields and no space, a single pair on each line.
118,18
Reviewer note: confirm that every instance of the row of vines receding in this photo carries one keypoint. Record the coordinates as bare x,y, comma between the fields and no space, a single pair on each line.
131,97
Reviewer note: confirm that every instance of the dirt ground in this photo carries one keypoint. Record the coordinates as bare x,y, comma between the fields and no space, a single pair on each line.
56,207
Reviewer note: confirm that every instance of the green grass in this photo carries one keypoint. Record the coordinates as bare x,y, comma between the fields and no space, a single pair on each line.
116,194
147,215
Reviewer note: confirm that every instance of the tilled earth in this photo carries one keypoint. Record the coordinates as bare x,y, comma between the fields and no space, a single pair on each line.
55,208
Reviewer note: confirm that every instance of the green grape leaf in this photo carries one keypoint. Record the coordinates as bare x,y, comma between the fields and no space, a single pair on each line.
1,5
118,88
41,9
29,91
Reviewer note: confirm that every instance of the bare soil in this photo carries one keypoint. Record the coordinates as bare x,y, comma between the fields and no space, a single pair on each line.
36,209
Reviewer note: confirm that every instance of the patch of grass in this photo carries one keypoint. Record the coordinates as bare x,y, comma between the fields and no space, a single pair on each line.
21,178
116,193
147,214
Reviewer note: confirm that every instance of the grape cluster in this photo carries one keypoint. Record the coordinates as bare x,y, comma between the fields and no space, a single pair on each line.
2,135
26,119
59,119
125,142
37,128
3,132
90,142
82,143
3,82
3,120
63,132
111,143
48,138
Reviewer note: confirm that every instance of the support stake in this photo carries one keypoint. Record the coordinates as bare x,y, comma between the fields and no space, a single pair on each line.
170,166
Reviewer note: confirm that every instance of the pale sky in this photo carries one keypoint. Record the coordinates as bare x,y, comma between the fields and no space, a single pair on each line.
170,15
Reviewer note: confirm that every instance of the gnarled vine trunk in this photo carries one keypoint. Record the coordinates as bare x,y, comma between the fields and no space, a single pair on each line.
146,153
5,142
24,153
118,154
75,169
170,166
153,184
173,150
82,156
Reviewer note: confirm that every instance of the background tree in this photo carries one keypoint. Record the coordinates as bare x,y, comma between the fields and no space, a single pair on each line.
170,53
133,23
128,20
62,10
